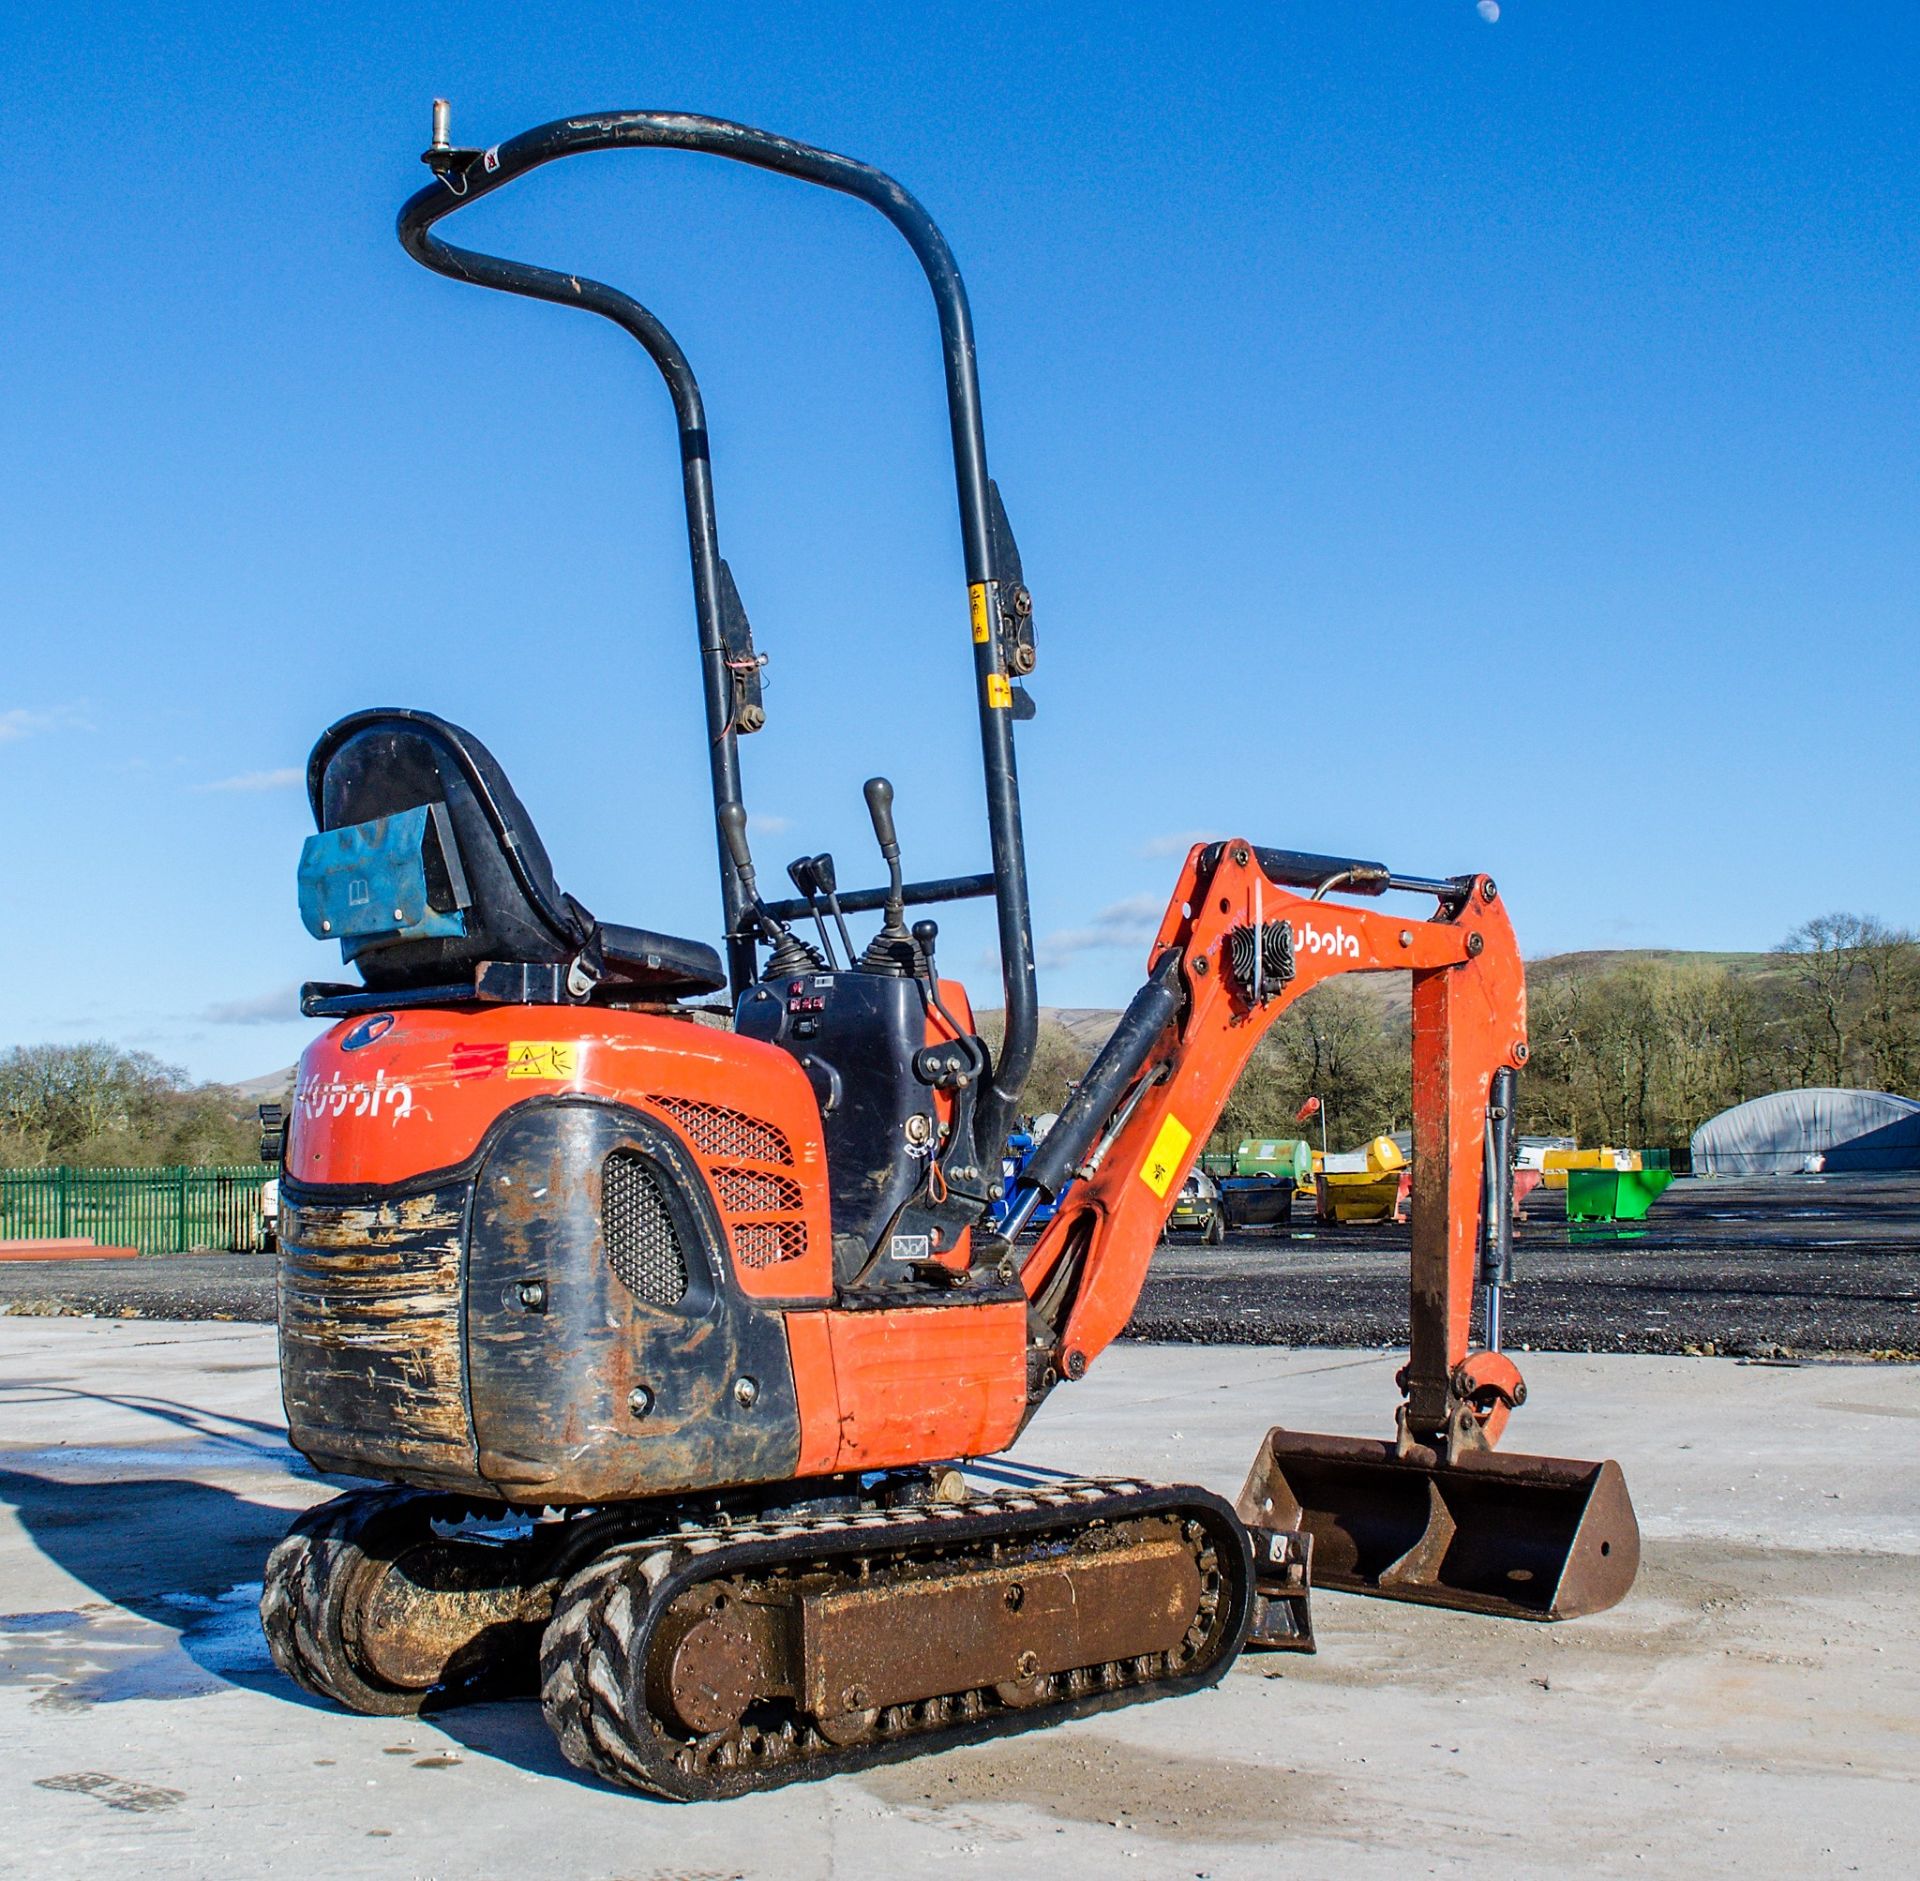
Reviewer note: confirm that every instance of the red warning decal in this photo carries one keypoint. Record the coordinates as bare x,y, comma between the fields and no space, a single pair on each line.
479,1061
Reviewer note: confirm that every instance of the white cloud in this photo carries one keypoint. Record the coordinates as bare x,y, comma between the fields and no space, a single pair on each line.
18,722
274,1008
1489,10
761,823
1129,923
1176,842
260,780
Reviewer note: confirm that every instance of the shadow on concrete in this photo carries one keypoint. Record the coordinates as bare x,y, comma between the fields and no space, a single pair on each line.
218,1426
175,1565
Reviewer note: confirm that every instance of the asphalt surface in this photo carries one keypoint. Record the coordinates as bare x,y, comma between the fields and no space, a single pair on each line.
1794,1266
161,1286
1791,1266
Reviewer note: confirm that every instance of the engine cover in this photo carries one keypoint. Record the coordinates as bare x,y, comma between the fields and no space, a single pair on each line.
550,1270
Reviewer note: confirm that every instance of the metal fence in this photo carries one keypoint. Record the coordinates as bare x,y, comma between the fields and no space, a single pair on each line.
158,1211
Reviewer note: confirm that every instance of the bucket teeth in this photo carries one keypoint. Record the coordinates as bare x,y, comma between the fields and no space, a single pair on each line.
1518,1537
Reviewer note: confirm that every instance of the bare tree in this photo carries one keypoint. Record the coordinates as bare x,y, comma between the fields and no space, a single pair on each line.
1823,956
97,1104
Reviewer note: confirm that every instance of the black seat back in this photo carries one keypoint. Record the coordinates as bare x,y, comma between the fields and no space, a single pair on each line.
384,762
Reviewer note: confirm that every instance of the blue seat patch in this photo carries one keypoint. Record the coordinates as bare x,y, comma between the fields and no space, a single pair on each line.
368,881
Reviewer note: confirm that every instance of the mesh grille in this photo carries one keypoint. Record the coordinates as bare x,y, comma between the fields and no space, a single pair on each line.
716,1131
642,1246
767,1243
755,1191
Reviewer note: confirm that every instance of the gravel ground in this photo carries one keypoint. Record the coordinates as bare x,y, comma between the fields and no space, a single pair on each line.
162,1286
1794,1266
1761,1268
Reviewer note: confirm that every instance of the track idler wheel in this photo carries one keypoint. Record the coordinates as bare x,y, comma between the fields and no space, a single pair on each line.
367,1604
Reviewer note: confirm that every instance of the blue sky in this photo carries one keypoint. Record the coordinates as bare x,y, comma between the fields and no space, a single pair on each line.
1474,444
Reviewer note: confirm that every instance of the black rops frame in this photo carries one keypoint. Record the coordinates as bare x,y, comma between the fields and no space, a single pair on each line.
465,175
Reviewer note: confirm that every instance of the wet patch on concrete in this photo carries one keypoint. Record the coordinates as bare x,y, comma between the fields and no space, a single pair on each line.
100,1654
96,1654
1870,1410
84,1465
221,1632
1694,1599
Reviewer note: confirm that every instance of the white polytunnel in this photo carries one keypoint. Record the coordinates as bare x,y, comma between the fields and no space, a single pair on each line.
1789,1133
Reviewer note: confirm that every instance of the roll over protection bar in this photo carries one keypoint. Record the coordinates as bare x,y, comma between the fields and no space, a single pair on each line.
465,175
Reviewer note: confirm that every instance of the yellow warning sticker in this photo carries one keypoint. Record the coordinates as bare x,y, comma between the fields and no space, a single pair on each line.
1169,1147
998,691
977,594
553,1059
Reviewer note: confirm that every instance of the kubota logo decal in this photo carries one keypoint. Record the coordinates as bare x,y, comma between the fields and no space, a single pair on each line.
335,1096
478,1061
1326,940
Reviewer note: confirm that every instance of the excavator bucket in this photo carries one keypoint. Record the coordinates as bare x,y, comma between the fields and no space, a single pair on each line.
1516,1537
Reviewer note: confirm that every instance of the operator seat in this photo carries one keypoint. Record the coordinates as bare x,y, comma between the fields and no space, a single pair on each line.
383,763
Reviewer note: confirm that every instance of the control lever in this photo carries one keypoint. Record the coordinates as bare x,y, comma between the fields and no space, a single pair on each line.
823,873
960,1060
804,873
958,1066
790,953
891,950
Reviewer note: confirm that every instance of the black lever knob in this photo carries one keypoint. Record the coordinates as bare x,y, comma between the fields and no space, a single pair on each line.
823,873
804,873
879,795
925,933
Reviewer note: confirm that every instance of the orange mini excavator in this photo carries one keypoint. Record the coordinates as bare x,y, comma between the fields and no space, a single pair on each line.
678,1350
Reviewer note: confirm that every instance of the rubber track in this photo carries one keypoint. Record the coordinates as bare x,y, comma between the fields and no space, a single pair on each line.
314,1577
592,1657
306,1577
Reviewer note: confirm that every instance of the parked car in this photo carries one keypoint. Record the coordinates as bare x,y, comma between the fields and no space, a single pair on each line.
1197,1209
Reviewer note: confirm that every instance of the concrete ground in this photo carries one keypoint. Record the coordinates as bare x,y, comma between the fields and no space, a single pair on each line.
1753,1706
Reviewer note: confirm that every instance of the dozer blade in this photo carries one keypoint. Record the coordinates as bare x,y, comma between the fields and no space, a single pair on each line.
1517,1537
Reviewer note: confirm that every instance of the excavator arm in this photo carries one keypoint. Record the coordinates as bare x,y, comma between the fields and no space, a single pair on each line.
1432,1514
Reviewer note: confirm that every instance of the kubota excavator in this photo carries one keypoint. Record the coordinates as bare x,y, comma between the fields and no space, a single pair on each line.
683,1354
